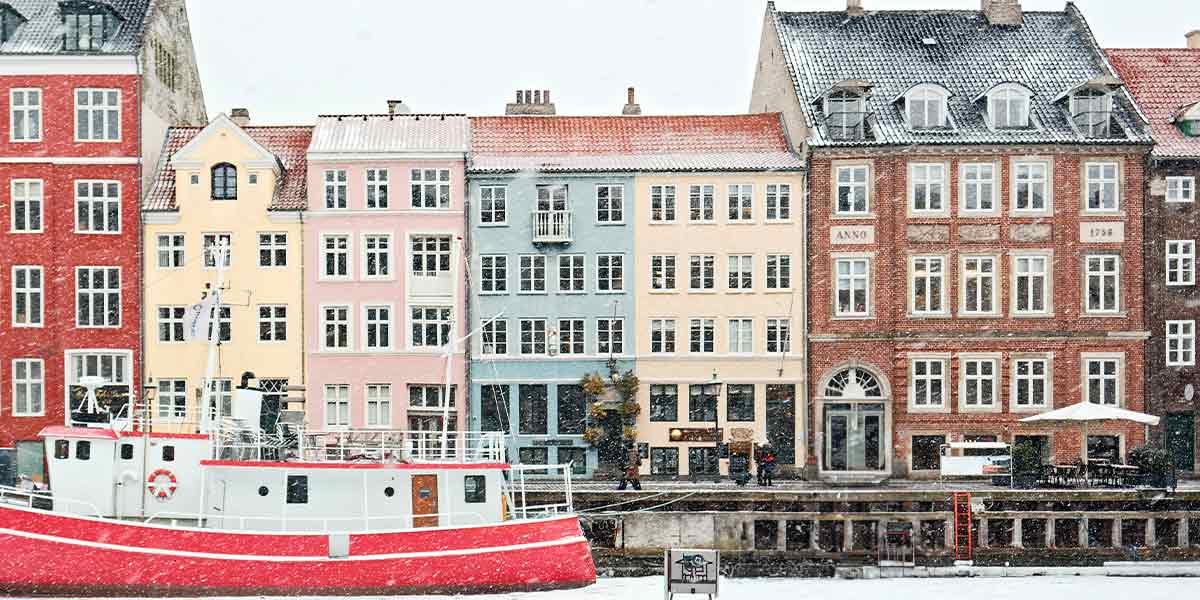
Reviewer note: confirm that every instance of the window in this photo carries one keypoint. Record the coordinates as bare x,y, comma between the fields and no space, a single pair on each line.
927,452
97,206
97,297
27,296
1031,381
224,324
610,203
430,188
532,413
379,405
779,271
610,336
210,241
662,272
474,489
430,326
272,323
430,255
928,285
701,203
1181,343
610,273
87,25
739,402
1032,284
702,407
429,397
1103,283
928,385
533,336
1102,380
664,403
83,450
337,405
662,203
741,336
29,392
852,190
926,108
702,335
172,398
170,250
1104,447
779,202
927,188
126,451
493,404
378,325
170,323
662,336
97,115
979,382
979,188
495,337
224,182
335,189
532,273
1102,190
741,202
335,256
297,489
165,65
552,198
664,461
1181,262
571,273
572,410
336,323
62,449
27,205
377,256
741,272
853,287
1031,188
1181,189
779,336
115,367
1091,111
570,336
272,249
1008,107
493,274
493,205
979,285
702,272
25,115
534,456
377,188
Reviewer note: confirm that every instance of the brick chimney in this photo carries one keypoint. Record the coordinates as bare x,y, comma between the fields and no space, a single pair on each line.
1193,40
241,116
1002,12
530,102
854,8
631,107
398,107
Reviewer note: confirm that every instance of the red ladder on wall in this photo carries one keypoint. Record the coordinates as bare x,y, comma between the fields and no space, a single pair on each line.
963,543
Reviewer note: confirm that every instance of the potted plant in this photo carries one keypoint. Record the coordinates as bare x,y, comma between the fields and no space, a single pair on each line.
1026,466
1156,466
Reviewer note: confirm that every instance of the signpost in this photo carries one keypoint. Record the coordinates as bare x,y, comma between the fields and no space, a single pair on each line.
692,572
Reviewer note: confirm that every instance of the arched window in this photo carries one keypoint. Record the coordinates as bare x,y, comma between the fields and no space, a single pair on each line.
224,182
1008,107
853,383
925,107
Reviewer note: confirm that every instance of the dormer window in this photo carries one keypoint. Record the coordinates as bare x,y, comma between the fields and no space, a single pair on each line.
925,107
224,182
1091,110
10,19
87,25
844,115
1188,120
1008,107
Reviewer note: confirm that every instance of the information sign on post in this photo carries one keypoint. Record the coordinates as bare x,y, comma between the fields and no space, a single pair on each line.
692,572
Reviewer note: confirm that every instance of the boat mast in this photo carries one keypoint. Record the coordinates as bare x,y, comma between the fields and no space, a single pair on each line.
451,342
219,252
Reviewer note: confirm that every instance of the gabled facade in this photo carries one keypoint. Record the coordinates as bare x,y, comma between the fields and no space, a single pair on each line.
385,289
244,186
975,229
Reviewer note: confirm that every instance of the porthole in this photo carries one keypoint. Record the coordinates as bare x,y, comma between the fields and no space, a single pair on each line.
263,491
389,491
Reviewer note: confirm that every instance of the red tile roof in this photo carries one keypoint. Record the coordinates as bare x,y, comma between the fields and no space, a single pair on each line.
631,143
1163,81
289,144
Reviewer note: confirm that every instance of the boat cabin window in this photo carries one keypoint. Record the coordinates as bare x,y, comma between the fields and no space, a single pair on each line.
297,489
168,454
62,449
83,450
474,489
126,451
389,491
263,491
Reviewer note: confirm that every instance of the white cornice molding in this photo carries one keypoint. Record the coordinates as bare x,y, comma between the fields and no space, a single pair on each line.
53,64
283,216
160,217
384,156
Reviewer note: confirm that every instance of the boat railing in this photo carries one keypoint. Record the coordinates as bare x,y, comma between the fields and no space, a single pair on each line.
44,499
390,445
311,524
546,476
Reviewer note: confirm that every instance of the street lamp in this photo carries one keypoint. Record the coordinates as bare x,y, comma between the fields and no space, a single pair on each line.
712,389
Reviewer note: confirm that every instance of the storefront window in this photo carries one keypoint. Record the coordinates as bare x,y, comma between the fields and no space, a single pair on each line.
702,460
533,414
702,408
576,456
854,437
739,403
664,403
572,410
493,408
781,422
664,461
927,452
1104,447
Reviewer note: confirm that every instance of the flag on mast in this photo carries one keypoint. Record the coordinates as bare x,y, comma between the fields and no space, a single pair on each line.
197,318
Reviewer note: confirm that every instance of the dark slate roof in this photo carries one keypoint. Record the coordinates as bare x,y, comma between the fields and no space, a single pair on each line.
1165,82
289,144
1050,53
42,31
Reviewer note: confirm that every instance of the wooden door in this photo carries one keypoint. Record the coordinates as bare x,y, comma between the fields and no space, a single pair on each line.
424,500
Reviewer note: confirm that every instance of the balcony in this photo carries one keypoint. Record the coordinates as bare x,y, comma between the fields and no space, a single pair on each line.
551,227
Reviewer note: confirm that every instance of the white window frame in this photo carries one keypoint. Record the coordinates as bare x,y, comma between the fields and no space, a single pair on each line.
337,394
778,333
1047,275
928,177
389,324
605,216
175,249
110,113
571,337
1183,254
326,252
935,103
1101,181
853,186
376,189
928,276
173,318
383,256
610,336
664,273
493,274
739,203
667,333
25,113
444,196
778,271
979,177
778,203
942,378
1180,343
574,263
1103,276
29,200
443,319
106,186
614,283
852,279
1032,181
702,203
532,281
708,272
30,383
1007,95
1184,189
32,294
210,239
740,273
702,335
171,400
741,335
488,205
419,251
272,320
270,242
1085,361
1046,378
336,189
344,328
978,276
664,203
493,338
107,291
966,377
377,400
534,332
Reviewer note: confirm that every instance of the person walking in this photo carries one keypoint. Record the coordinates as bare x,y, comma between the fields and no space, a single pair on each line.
631,474
768,467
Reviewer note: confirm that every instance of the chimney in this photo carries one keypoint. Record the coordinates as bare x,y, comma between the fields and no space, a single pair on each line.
631,107
1193,40
854,8
241,116
530,102
397,107
1003,12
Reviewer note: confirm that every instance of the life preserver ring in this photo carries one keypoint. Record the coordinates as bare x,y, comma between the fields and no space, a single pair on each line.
163,490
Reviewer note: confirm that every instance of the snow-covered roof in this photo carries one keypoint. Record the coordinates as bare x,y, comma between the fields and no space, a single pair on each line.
404,133
1166,83
42,29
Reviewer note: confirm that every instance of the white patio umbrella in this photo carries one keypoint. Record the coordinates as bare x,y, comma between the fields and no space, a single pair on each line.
1085,412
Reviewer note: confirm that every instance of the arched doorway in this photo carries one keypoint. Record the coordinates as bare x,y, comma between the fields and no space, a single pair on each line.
854,424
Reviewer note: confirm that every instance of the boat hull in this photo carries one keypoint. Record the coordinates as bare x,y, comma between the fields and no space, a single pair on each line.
51,554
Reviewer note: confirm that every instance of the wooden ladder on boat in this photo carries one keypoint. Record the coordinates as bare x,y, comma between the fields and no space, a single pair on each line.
961,502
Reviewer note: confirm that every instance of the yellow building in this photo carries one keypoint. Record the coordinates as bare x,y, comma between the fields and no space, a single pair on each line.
246,186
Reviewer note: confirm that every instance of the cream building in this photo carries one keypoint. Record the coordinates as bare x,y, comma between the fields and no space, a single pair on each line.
246,186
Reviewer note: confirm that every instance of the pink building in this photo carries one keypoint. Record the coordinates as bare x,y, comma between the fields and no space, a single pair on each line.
383,251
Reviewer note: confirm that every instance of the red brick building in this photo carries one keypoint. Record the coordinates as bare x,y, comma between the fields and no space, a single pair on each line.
88,89
975,230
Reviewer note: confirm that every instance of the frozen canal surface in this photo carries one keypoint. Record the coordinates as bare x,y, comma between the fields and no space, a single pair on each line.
1013,588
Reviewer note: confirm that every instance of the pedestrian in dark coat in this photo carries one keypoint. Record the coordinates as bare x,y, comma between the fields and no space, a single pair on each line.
631,474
